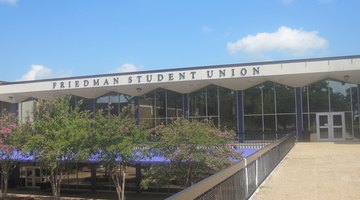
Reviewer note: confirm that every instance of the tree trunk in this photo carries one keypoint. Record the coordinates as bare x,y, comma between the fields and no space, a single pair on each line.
55,181
4,192
4,184
118,177
123,183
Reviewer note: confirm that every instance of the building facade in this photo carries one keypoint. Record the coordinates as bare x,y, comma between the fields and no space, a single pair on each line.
314,97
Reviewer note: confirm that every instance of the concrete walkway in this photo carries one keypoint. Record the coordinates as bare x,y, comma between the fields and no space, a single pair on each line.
316,170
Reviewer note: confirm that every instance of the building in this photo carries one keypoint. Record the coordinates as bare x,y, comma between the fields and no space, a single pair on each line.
318,98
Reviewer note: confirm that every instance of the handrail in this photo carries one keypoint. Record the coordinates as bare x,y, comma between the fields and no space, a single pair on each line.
213,180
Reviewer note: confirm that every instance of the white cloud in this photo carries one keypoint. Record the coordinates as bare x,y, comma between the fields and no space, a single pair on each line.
13,2
128,67
37,72
284,40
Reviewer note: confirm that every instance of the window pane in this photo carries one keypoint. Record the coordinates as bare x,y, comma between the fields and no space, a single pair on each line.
212,100
160,103
339,96
146,109
126,102
253,123
348,125
228,108
102,103
197,103
174,104
252,101
285,99
86,104
114,103
286,122
269,123
268,98
319,97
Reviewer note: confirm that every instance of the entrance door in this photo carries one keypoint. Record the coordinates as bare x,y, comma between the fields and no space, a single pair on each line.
330,126
33,177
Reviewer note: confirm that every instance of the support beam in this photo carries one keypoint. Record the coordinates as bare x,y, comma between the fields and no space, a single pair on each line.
92,107
186,105
240,115
137,110
299,114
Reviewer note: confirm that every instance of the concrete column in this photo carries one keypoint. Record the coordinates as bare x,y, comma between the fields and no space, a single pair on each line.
240,115
299,114
186,105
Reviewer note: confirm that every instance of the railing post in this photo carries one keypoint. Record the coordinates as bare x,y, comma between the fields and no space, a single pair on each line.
246,179
257,172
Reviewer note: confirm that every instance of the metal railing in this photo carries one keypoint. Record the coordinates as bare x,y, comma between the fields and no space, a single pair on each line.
240,180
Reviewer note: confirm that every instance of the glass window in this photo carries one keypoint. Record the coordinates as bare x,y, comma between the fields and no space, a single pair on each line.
319,97
146,109
160,96
268,98
228,109
197,103
174,105
285,99
304,99
286,122
102,103
253,123
348,125
269,123
252,101
339,96
212,100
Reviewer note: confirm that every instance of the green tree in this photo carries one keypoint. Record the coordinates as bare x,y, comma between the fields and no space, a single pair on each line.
8,125
58,137
118,143
195,149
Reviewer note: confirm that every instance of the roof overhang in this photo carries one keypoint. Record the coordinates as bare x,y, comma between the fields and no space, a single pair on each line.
294,73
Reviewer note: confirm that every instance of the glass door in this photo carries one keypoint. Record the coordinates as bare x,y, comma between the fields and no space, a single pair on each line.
330,126
33,177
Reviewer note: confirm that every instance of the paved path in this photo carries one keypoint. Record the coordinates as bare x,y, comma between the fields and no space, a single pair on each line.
316,170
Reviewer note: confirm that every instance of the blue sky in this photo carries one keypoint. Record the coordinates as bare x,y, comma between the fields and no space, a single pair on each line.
48,38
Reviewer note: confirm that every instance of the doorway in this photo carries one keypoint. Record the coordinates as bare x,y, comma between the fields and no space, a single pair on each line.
33,177
330,126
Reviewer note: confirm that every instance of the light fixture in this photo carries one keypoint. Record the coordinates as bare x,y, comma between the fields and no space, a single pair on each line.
346,77
138,90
